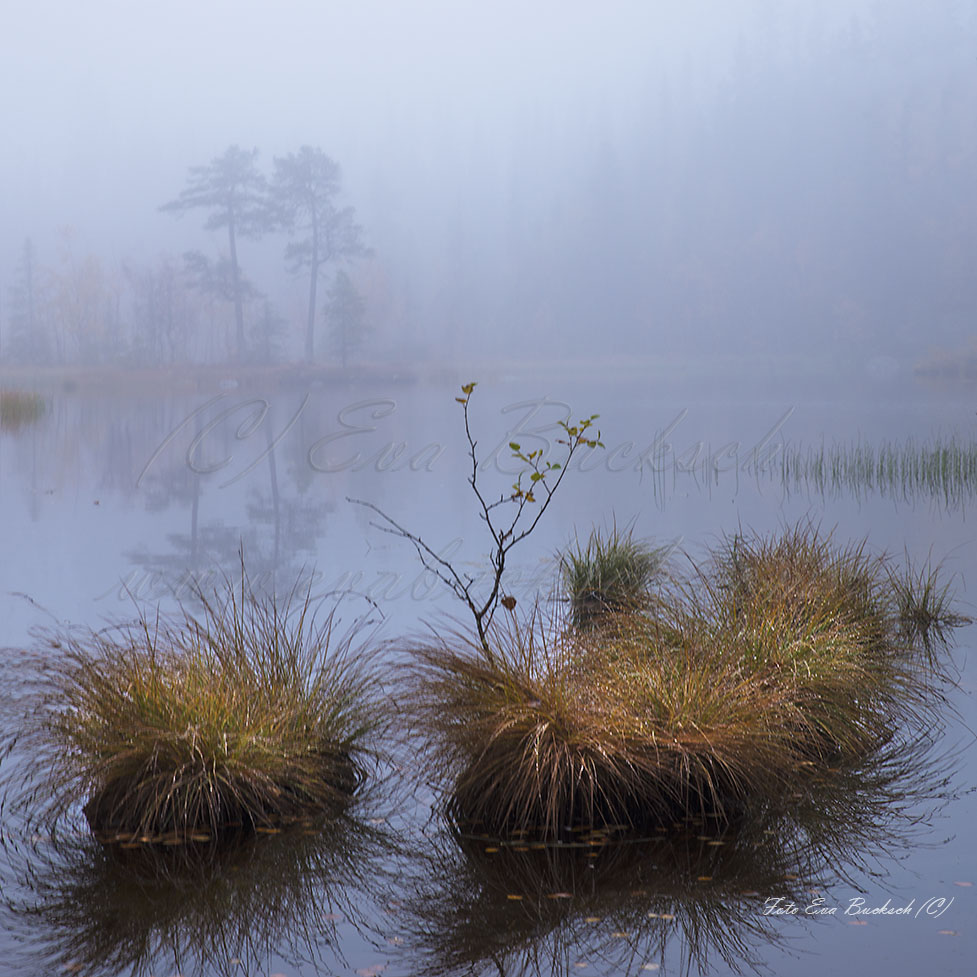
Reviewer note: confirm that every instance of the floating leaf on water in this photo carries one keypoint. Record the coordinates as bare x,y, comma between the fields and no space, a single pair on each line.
333,917
200,836
520,848
491,851
620,935
947,932
858,922
668,915
790,877
650,966
560,895
592,919
513,896
704,878
965,885
653,915
580,963
268,831
750,894
717,842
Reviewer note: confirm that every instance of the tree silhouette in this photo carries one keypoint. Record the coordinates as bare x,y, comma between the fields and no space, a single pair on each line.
345,313
233,190
303,195
26,341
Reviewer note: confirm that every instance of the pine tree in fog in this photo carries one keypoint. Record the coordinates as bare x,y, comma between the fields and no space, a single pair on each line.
232,189
303,195
345,313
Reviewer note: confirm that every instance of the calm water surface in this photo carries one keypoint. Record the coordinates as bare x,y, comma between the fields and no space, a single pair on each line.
113,500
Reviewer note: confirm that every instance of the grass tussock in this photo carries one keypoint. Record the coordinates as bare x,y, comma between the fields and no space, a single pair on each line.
244,716
20,408
780,657
609,574
925,606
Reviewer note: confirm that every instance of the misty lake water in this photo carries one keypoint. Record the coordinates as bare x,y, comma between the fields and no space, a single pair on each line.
112,499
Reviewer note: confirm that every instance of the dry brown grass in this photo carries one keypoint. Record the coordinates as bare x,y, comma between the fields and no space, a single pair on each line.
19,409
778,656
248,714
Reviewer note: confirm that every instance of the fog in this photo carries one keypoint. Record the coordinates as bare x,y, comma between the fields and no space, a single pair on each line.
560,180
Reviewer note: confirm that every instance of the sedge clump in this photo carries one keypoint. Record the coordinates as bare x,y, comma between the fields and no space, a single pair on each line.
779,657
246,714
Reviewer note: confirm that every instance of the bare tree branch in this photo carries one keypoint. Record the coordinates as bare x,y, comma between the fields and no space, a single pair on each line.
504,539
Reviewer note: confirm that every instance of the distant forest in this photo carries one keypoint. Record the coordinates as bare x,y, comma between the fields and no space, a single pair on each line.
820,197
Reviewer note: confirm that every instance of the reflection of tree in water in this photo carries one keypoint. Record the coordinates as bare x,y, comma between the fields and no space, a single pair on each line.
280,536
688,898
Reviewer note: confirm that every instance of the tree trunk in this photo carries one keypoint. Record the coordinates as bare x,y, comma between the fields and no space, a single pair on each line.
313,283
236,282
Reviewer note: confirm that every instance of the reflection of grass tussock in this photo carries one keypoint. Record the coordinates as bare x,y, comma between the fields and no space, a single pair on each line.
692,892
782,655
250,714
199,910
610,573
19,408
